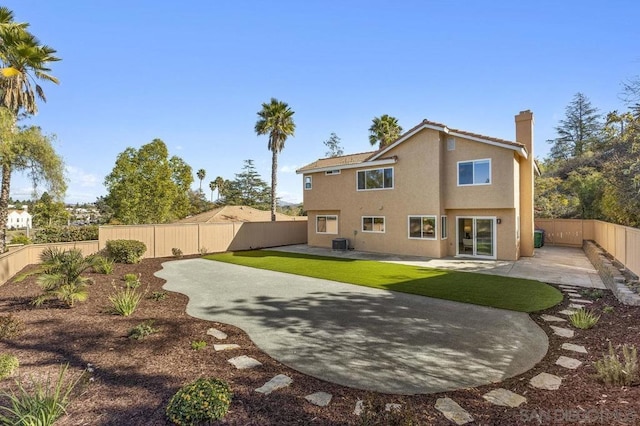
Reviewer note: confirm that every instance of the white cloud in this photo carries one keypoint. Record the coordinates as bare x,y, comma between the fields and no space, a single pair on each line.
288,197
289,169
78,177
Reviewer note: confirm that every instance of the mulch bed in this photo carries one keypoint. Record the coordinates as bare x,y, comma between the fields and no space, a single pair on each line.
132,381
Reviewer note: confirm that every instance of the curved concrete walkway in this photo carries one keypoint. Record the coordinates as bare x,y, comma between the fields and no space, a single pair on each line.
361,337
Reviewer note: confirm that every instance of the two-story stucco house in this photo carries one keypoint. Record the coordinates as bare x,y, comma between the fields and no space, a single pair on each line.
18,219
434,192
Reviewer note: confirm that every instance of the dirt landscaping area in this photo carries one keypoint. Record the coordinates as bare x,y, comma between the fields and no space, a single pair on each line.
132,381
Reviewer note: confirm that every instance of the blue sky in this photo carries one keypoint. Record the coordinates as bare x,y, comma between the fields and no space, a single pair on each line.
194,74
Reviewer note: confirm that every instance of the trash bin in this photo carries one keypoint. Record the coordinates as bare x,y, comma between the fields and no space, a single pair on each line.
538,240
340,244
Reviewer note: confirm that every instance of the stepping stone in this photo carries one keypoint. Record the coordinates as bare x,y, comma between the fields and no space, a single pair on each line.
551,318
574,348
359,407
546,381
576,306
574,295
567,312
452,411
278,382
217,333
504,398
321,399
567,362
392,407
562,332
581,301
243,362
567,286
226,347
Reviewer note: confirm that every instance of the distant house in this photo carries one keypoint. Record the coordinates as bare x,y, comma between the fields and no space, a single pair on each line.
237,214
434,192
19,219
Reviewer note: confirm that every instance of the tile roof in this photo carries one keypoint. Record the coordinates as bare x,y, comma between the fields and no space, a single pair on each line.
343,160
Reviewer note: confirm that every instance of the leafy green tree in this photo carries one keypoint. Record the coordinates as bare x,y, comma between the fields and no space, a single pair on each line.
587,184
201,175
579,132
198,202
247,189
333,146
384,130
146,186
47,212
276,120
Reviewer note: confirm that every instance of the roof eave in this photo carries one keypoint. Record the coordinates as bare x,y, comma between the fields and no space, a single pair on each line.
381,162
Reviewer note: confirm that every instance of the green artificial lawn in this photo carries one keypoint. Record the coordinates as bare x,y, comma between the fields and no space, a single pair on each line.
515,294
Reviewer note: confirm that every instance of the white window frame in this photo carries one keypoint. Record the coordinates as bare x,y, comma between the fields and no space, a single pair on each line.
332,172
422,216
326,216
310,182
393,179
474,172
444,227
373,218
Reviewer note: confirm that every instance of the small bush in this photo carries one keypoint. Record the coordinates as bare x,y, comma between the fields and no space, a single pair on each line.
125,301
8,365
102,265
131,280
61,276
61,234
158,295
142,330
612,371
584,319
43,405
10,327
202,401
176,252
197,345
592,293
607,309
21,239
125,251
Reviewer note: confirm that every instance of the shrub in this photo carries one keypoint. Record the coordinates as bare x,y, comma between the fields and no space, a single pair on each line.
61,234
125,251
607,309
612,371
197,345
21,239
46,403
10,326
142,330
584,319
176,252
592,293
8,364
102,265
202,401
61,276
125,301
131,280
158,295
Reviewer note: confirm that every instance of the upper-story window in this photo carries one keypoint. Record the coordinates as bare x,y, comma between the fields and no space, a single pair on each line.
307,182
332,172
375,179
476,172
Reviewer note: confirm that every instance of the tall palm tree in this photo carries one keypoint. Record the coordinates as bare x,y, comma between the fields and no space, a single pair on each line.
221,184
384,130
201,174
276,120
212,187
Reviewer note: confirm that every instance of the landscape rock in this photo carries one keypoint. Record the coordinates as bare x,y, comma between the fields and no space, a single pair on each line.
551,318
567,362
321,399
567,312
452,411
218,334
504,398
562,332
278,382
546,381
225,347
574,348
359,407
243,362
392,406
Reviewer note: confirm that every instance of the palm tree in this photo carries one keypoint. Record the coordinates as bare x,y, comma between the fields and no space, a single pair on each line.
212,187
384,130
201,174
221,184
276,120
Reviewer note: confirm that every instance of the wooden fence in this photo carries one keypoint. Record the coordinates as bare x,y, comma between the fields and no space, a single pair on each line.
622,242
161,239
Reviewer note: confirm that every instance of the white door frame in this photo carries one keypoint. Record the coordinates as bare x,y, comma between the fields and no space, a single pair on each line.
493,237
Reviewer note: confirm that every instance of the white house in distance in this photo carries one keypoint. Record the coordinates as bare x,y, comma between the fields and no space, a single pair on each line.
19,218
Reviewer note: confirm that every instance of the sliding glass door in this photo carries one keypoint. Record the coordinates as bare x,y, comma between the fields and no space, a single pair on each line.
476,237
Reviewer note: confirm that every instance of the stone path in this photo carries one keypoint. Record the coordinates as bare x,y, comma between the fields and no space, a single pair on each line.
447,406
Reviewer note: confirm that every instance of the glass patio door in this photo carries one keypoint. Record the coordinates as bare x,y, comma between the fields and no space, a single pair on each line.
476,237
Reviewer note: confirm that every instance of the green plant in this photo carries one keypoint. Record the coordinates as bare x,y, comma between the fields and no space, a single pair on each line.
132,280
125,301
10,326
142,330
608,309
21,239
102,265
43,405
197,345
204,400
158,295
592,293
584,319
125,251
8,364
612,371
61,276
176,252
60,234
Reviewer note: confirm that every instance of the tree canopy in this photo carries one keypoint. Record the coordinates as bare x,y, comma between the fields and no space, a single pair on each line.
333,146
247,189
384,130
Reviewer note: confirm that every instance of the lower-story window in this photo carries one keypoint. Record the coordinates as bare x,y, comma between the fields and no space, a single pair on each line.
373,224
422,227
327,224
